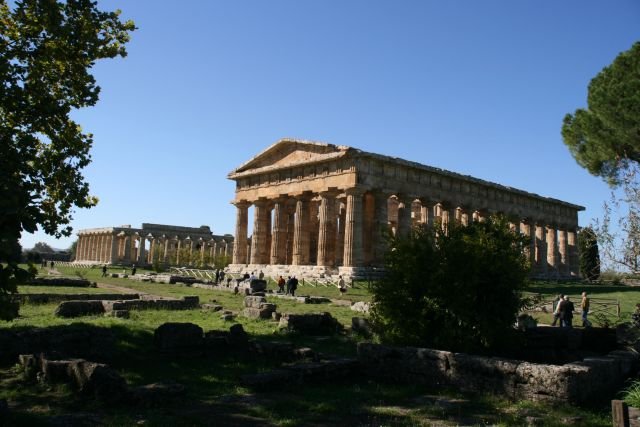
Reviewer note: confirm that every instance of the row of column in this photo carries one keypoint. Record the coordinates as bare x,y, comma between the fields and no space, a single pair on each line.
111,248
351,230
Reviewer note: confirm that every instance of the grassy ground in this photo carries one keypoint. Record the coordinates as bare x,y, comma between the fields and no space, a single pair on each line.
214,396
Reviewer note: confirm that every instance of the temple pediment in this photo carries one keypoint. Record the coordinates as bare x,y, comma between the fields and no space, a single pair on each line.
287,153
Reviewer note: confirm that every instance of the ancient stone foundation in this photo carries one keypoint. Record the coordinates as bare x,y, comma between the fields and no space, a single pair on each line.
579,382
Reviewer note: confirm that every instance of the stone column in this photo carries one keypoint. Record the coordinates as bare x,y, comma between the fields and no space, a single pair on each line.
526,228
240,241
426,212
353,229
563,261
342,214
382,232
552,251
574,258
327,230
178,250
464,217
78,249
301,233
127,248
141,251
259,239
404,215
114,249
541,251
291,226
279,233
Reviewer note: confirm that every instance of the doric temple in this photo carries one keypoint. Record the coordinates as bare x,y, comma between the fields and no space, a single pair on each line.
321,209
141,246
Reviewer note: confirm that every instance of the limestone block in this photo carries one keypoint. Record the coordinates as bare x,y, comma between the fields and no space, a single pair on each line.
254,301
310,323
79,308
178,336
263,312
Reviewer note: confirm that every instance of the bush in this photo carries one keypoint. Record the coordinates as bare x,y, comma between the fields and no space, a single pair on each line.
631,394
589,254
458,291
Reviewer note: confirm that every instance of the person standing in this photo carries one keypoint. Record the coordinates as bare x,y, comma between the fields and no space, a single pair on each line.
341,285
281,284
104,270
584,305
556,312
294,285
566,312
133,270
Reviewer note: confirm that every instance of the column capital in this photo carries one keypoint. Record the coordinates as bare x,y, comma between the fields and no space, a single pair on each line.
241,203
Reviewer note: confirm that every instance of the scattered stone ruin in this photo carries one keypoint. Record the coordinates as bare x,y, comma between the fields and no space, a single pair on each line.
322,210
126,245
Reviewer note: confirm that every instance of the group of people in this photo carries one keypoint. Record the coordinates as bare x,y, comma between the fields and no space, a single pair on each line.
564,309
289,286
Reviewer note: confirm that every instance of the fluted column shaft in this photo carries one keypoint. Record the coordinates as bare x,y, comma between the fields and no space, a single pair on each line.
353,229
552,251
279,234
563,261
141,251
301,233
240,241
259,238
327,230
574,260
114,249
527,229
541,251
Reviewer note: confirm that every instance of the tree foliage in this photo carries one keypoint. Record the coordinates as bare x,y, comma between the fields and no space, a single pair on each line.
457,291
47,48
43,247
618,232
589,254
604,138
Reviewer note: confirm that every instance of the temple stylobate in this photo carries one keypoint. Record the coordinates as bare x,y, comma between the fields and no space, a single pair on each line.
322,209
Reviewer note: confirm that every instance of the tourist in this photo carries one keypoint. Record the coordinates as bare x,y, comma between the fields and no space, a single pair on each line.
294,285
281,283
261,275
217,276
51,264
133,270
566,312
341,285
253,276
556,311
104,270
221,275
584,305
289,279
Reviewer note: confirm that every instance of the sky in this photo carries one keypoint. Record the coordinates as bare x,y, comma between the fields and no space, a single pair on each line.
475,87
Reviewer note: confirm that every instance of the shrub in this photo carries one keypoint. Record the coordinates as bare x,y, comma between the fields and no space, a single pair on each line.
589,254
631,394
458,291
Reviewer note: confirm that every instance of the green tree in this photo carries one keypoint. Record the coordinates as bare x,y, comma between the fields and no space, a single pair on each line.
457,291
589,254
43,247
605,137
47,48
72,249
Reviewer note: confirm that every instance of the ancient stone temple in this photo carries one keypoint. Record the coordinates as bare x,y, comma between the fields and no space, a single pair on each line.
322,209
141,246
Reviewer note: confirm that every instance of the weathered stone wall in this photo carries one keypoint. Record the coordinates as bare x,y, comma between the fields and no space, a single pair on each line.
579,382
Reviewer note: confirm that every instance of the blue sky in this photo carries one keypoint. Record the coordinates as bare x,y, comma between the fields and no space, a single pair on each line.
475,87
